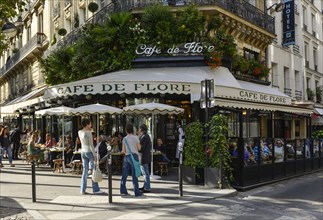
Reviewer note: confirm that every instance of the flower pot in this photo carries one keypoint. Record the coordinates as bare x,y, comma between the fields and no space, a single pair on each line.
193,176
211,177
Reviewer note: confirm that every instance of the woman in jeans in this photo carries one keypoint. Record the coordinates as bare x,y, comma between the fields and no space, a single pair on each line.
5,143
87,154
134,145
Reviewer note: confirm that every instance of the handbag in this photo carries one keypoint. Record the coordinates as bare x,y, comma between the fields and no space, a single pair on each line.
97,175
136,164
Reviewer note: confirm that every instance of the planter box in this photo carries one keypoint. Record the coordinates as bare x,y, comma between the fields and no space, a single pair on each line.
193,176
211,177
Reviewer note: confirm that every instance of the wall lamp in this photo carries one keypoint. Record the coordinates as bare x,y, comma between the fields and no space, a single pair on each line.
278,7
9,29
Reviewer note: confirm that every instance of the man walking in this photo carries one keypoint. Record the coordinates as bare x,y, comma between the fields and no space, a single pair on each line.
145,143
15,140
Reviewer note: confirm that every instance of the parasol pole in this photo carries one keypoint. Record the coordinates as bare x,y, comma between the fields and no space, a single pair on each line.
152,176
63,140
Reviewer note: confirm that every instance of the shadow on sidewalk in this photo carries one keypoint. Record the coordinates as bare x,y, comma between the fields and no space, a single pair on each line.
10,208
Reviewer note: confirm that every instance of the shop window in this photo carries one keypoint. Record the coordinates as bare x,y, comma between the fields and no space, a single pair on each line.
297,129
233,124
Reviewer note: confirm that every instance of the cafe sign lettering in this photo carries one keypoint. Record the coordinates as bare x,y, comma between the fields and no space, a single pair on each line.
188,48
262,97
124,87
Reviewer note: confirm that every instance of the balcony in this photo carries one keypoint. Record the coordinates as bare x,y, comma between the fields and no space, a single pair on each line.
298,95
295,49
36,45
288,91
240,8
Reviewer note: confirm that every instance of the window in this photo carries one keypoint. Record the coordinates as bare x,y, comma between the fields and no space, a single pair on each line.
313,22
287,90
28,33
306,54
315,58
40,23
308,82
250,54
304,18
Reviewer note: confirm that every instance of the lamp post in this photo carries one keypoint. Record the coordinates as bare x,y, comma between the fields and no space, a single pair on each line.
9,29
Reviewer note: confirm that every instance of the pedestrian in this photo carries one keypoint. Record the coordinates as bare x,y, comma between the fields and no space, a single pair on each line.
5,143
181,137
134,147
15,138
87,155
145,143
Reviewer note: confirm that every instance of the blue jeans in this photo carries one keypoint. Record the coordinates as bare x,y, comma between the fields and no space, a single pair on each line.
127,166
0,154
87,157
145,174
9,153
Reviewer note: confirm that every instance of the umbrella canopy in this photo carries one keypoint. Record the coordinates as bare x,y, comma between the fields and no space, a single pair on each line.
58,111
153,108
96,109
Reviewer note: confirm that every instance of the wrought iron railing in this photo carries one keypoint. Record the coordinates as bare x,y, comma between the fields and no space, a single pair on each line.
238,7
298,95
37,40
288,91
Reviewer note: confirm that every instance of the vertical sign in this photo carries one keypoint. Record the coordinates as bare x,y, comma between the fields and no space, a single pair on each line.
288,23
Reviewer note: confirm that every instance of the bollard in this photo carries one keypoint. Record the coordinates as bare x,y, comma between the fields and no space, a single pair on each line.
33,181
180,169
109,172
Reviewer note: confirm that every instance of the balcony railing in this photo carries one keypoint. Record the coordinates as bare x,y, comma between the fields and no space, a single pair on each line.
298,95
288,91
238,7
37,40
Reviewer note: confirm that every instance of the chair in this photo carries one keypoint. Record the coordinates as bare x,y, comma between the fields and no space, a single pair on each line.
58,165
33,157
24,156
162,168
76,167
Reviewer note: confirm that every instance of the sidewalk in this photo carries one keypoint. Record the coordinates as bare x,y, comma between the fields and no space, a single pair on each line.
61,193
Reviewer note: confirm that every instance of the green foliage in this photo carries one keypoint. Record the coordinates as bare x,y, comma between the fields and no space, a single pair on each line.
318,134
194,146
310,94
8,9
318,94
57,67
218,144
159,22
190,25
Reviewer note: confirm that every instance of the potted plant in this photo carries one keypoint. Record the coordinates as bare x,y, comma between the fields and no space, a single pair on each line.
194,157
62,32
15,50
219,171
93,7
240,64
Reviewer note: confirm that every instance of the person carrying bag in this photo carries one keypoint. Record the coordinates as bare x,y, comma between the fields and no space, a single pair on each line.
130,147
97,175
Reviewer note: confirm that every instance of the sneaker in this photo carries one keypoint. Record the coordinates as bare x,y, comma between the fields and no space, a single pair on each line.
99,192
145,191
142,188
12,165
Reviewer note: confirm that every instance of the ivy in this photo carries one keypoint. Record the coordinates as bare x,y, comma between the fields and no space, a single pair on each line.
194,146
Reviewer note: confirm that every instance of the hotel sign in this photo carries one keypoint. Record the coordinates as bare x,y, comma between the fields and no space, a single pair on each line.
288,23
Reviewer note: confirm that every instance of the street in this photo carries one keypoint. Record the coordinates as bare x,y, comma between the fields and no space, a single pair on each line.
58,198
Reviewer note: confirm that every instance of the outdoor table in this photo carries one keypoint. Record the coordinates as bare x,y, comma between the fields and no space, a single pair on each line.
54,152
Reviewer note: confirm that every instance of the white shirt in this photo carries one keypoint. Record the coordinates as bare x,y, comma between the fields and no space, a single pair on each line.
86,141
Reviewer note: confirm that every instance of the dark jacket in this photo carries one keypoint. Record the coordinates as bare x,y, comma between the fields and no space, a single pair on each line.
15,135
145,143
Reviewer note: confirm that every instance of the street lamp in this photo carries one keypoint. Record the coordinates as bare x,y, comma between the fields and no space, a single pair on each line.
9,29
278,6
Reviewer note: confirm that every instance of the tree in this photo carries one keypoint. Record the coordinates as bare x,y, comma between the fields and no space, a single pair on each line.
8,10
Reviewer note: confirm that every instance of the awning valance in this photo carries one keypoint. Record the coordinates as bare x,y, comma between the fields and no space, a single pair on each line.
260,106
170,80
